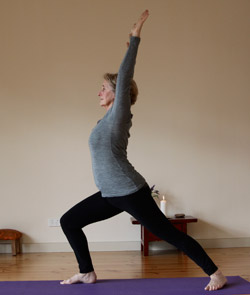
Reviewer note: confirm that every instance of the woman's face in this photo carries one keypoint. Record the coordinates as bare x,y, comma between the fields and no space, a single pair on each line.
106,95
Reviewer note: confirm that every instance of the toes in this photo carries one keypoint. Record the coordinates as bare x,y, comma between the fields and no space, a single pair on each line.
212,287
66,282
208,288
63,282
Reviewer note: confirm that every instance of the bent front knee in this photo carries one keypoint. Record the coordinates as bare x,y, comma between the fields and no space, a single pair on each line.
71,221
67,221
63,221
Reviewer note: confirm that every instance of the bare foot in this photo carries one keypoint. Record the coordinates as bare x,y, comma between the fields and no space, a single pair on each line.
136,29
217,281
86,278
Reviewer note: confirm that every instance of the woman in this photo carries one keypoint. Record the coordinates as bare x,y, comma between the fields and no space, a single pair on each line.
121,187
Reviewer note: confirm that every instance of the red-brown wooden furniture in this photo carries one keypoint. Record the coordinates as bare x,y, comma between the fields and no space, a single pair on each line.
147,236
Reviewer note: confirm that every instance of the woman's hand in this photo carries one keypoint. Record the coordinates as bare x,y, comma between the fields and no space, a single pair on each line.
136,29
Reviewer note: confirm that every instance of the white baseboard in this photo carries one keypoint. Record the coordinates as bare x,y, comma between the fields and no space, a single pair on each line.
123,246
207,243
65,247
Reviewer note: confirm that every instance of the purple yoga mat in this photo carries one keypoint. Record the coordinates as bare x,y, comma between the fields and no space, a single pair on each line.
175,286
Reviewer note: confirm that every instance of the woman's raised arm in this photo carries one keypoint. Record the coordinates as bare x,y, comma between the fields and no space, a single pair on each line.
122,103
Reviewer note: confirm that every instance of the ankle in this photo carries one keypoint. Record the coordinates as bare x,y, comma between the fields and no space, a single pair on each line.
216,273
89,277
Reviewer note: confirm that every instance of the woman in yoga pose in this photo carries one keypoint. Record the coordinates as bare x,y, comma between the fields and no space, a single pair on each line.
121,187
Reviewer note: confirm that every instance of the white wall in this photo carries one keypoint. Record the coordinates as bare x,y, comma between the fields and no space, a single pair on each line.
190,132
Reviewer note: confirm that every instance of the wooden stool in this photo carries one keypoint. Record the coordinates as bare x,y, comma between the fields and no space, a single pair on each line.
14,236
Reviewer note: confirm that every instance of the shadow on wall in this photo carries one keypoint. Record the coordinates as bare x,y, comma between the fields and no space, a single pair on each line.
220,238
210,230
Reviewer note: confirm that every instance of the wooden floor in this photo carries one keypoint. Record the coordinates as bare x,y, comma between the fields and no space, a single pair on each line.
122,265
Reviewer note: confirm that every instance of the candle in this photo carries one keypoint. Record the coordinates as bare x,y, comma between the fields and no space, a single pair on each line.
163,205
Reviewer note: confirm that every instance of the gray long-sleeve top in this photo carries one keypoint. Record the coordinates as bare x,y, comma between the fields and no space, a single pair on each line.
114,175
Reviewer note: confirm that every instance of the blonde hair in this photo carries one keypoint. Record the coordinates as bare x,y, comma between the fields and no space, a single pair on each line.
112,79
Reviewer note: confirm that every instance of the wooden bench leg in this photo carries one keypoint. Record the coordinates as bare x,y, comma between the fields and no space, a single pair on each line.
145,242
141,239
14,247
145,249
18,246
18,243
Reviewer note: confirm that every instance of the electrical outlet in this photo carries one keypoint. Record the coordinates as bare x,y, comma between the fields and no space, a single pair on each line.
52,222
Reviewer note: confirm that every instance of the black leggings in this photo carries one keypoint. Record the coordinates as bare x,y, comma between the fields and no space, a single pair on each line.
141,206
